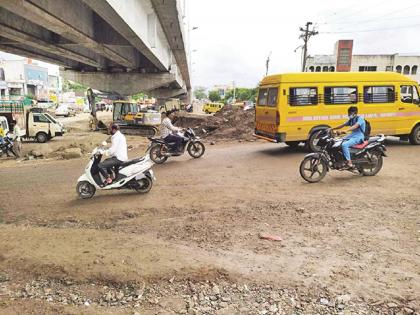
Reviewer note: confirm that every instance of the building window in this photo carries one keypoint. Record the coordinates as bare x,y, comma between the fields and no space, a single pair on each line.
414,70
332,69
318,69
340,95
368,68
311,68
324,69
303,96
389,68
398,69
379,94
407,70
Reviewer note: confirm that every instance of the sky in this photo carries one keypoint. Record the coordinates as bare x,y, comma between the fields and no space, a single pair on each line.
235,37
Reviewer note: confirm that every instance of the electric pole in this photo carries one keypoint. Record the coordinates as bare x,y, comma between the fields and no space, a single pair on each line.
306,35
267,64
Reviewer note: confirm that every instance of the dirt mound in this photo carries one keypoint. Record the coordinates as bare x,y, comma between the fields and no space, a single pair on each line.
230,123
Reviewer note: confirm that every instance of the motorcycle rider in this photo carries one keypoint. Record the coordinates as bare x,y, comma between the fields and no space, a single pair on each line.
117,151
168,130
357,128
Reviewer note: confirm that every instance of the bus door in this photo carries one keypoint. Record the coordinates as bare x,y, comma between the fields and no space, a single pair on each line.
267,113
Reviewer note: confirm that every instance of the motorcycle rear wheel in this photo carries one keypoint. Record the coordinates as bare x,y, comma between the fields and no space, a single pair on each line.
156,154
372,170
312,166
144,185
85,190
196,149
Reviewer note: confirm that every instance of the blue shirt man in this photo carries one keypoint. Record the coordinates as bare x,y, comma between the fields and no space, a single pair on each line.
357,127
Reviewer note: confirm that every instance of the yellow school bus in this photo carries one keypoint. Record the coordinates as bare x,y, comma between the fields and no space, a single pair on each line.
210,108
291,108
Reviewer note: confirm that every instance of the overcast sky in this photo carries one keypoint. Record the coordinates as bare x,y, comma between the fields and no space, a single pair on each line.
234,37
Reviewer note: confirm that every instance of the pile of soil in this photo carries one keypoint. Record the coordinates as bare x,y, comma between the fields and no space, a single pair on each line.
230,123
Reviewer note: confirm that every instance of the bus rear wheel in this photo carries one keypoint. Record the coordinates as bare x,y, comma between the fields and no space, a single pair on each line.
415,136
313,140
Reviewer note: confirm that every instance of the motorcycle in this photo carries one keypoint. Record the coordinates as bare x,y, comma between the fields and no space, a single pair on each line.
159,150
367,157
8,146
134,174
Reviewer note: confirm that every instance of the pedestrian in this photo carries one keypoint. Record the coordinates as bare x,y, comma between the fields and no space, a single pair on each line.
17,136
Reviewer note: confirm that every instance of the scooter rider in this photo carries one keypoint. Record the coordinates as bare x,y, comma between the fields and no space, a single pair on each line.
357,127
117,151
168,130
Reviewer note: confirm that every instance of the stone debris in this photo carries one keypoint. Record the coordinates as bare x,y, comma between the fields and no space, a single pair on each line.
186,297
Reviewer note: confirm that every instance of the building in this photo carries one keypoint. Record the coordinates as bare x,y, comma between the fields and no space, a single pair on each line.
22,78
343,60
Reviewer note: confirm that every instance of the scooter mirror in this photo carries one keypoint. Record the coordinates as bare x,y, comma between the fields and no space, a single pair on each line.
104,143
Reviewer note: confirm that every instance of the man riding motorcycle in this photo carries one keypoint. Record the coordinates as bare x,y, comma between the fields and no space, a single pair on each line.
117,151
357,128
168,131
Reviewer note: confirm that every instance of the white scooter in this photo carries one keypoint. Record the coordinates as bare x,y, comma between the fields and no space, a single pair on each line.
134,174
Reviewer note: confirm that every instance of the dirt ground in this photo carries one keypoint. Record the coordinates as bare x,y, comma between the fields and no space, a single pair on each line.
350,244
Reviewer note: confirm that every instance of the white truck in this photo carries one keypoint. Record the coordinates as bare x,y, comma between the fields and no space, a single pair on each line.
38,124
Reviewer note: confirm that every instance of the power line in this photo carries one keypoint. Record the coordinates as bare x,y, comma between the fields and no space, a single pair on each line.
372,20
367,21
372,30
347,14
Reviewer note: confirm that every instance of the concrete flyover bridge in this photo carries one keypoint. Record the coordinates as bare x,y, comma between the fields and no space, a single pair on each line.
123,46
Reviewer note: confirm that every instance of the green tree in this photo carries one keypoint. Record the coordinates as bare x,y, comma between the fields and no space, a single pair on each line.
242,94
214,96
200,93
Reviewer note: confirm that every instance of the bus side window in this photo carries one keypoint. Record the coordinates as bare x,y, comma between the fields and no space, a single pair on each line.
303,96
416,99
378,94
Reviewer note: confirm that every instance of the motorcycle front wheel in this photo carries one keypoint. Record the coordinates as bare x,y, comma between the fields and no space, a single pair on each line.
156,154
196,149
313,169
372,167
85,190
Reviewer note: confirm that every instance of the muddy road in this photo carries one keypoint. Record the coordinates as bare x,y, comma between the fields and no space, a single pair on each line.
350,244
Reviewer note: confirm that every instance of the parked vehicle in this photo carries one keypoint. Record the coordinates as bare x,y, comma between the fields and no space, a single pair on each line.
292,108
65,110
367,157
160,151
135,175
39,125
211,108
8,146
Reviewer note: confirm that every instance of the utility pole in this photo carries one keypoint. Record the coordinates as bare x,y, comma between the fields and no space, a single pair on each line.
306,35
267,64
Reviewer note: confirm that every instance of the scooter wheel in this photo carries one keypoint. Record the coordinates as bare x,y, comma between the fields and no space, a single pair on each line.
85,190
144,185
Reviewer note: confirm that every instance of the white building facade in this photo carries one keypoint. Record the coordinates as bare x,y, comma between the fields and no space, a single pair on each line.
404,64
